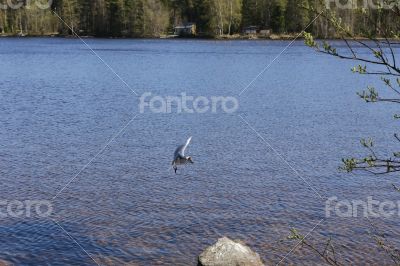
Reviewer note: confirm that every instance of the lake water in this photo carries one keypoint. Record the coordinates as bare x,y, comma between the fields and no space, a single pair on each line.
60,105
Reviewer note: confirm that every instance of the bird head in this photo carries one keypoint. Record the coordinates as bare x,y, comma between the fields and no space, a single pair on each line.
189,159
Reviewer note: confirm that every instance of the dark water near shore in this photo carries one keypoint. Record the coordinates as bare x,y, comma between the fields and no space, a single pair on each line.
59,106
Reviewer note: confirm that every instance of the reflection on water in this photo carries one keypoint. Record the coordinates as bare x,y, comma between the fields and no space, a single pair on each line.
60,105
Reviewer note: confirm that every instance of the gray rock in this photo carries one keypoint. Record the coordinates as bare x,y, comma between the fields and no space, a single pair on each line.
227,252
5,263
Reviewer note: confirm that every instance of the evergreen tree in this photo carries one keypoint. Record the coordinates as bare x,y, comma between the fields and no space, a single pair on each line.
278,18
139,18
249,12
296,15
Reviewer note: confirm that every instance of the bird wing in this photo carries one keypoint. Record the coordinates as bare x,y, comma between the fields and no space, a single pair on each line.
180,151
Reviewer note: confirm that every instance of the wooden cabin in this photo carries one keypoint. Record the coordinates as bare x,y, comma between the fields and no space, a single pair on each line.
250,30
188,29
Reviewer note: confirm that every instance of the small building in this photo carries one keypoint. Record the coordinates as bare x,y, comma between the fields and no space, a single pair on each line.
188,29
265,33
250,30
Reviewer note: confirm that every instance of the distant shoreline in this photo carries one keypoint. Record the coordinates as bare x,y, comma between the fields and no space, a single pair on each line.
236,37
224,37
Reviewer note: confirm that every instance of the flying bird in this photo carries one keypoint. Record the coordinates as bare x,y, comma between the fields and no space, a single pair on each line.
179,155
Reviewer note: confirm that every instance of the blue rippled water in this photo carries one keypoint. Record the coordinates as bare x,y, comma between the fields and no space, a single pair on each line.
60,105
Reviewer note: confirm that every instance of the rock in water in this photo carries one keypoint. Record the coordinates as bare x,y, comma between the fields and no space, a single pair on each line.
5,263
227,252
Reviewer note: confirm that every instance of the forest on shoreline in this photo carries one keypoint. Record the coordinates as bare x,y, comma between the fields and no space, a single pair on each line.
213,18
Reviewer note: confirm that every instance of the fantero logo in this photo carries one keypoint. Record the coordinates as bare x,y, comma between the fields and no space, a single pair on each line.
28,4
25,208
357,4
187,104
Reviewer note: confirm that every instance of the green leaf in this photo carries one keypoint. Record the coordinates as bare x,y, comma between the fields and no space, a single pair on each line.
309,40
371,95
359,69
349,164
377,54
